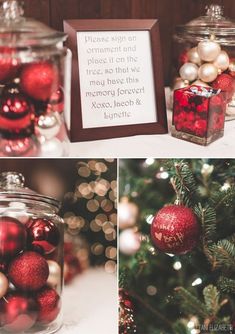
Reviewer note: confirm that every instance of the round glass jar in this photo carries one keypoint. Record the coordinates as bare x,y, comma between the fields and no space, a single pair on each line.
204,54
35,71
31,259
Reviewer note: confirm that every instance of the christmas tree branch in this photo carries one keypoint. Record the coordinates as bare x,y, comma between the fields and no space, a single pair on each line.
211,297
154,311
223,197
222,255
207,216
226,285
192,303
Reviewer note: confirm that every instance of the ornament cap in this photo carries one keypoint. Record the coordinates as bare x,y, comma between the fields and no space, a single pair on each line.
11,180
12,10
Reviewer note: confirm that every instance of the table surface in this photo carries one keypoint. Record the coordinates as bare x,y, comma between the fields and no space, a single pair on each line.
162,146
90,304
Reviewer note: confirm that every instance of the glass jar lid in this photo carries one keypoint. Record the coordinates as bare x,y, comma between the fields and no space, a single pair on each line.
12,188
213,23
18,31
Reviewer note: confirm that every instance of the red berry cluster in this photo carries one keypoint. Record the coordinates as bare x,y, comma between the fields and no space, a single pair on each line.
24,250
198,115
29,90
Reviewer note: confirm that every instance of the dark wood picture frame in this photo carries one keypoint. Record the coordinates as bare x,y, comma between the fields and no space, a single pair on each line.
77,132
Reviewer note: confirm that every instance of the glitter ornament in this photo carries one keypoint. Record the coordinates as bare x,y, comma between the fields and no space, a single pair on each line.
175,229
29,271
18,313
39,80
9,65
49,305
226,83
12,237
42,235
126,314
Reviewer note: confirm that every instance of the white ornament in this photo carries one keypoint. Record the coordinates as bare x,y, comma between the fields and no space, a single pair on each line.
54,278
222,61
129,241
208,72
208,50
189,71
48,125
193,56
127,213
200,83
3,285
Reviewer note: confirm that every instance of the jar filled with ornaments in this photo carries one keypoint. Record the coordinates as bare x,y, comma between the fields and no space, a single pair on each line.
33,90
204,55
31,259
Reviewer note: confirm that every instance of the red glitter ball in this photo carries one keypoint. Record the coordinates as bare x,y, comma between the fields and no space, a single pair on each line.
175,229
12,237
49,305
9,65
29,271
226,83
40,80
43,235
18,313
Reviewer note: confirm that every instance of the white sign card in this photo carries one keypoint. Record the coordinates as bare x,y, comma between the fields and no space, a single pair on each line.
116,78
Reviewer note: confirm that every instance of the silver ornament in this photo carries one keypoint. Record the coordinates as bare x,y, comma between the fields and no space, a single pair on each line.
189,71
208,72
208,50
48,125
222,61
193,56
54,278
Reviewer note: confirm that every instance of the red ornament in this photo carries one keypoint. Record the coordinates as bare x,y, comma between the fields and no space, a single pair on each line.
40,80
73,267
43,235
16,114
49,305
183,58
126,314
18,313
56,102
226,83
175,229
29,271
9,65
12,237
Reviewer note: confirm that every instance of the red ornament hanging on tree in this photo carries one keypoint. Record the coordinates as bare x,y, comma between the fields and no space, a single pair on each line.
49,305
12,237
39,80
43,235
175,229
16,113
9,65
29,271
18,313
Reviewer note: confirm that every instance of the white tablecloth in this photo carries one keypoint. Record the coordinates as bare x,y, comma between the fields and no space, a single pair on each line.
90,304
162,146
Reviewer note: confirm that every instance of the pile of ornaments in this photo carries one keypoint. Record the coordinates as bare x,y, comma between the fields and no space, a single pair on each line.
30,277
31,97
209,66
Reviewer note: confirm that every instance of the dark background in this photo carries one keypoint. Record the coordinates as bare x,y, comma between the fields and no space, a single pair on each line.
169,12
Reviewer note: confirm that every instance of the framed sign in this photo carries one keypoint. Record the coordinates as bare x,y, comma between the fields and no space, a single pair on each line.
117,80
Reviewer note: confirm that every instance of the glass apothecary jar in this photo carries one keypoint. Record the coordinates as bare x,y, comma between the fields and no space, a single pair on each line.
204,54
34,85
31,259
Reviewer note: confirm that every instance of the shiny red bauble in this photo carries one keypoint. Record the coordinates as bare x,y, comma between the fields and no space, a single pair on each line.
29,271
49,305
16,113
18,313
43,235
226,83
9,65
56,102
39,80
175,229
12,237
